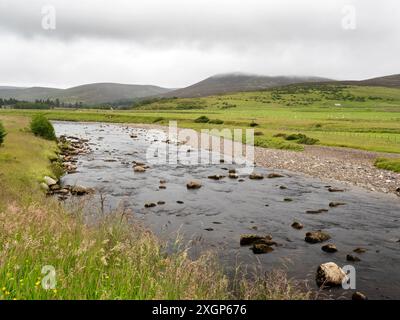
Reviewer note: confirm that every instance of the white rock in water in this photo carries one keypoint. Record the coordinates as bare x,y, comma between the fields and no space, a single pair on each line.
330,275
49,181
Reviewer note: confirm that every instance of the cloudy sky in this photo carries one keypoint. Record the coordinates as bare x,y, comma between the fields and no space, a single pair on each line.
174,43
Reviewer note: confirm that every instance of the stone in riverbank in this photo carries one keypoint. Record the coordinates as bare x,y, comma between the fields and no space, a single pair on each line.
329,275
49,181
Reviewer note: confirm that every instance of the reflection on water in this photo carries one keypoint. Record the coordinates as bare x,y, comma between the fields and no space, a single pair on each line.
220,211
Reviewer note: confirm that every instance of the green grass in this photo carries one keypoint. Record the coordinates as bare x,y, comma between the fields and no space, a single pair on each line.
388,164
367,118
109,259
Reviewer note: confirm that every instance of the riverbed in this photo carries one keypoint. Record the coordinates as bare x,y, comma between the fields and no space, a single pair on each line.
214,216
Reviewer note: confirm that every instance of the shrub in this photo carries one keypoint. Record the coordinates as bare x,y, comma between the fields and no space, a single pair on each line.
42,127
301,138
216,121
202,119
253,124
2,133
258,133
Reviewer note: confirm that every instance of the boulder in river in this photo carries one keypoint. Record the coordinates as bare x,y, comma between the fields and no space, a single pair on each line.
248,239
233,176
259,248
330,275
49,181
297,225
330,248
80,190
193,184
232,171
316,236
138,169
256,176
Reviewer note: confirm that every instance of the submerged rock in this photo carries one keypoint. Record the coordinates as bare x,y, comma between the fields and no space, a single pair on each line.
297,225
329,275
259,248
352,258
316,236
248,239
330,247
193,184
360,250
161,202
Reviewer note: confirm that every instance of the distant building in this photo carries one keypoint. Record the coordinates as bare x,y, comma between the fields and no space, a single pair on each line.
338,104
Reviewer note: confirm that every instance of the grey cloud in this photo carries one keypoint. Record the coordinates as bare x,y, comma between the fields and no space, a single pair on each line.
177,41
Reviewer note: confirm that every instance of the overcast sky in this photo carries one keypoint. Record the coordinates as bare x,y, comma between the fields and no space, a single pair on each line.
174,43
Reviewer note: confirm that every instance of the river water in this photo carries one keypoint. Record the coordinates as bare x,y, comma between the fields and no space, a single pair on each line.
214,216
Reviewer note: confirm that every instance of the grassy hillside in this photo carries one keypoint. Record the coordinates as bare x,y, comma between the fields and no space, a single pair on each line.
349,116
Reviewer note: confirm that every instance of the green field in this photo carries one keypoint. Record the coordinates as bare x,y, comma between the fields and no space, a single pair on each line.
347,116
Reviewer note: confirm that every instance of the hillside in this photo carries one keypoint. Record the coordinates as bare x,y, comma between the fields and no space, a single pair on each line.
392,81
236,82
88,94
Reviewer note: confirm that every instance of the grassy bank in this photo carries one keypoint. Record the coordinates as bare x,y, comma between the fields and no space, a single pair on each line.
345,116
388,164
111,259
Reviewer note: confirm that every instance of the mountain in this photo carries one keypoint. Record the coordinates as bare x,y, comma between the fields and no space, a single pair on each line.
236,82
95,93
392,81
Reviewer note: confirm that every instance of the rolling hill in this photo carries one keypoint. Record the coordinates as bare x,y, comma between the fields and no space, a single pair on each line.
236,82
392,81
89,94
